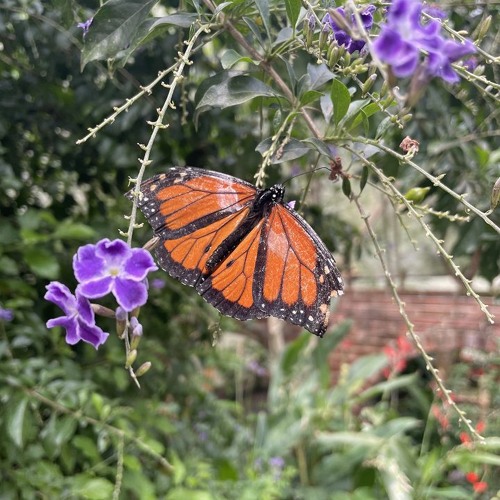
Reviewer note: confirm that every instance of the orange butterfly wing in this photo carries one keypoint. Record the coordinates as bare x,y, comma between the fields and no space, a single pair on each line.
297,276
244,251
193,211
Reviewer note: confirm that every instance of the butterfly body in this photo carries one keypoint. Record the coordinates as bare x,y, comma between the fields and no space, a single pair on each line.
244,251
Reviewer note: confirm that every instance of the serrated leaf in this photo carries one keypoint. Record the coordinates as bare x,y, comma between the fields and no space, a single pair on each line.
292,150
42,262
15,413
114,28
293,11
319,75
341,100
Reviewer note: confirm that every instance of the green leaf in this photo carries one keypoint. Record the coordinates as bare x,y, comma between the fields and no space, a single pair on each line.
69,230
263,7
365,367
364,178
319,145
346,186
15,413
231,57
355,108
292,353
292,150
318,75
86,486
326,107
350,438
293,11
341,100
42,262
383,127
283,36
150,29
309,97
231,91
114,28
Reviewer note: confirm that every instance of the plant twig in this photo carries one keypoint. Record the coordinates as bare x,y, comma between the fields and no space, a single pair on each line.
410,326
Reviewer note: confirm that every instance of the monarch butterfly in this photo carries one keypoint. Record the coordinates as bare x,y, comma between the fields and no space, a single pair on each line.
243,249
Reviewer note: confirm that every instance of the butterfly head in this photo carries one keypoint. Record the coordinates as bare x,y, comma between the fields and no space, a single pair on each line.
277,193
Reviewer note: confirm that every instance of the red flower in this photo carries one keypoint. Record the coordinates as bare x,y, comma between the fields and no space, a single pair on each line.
397,356
472,477
480,426
465,438
480,486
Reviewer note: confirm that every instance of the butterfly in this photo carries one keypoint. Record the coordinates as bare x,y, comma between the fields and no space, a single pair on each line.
243,249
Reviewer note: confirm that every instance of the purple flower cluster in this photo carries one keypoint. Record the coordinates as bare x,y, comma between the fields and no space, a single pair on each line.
106,267
340,35
6,314
403,37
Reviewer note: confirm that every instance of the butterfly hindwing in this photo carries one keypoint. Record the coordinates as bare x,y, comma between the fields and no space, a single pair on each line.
297,274
231,287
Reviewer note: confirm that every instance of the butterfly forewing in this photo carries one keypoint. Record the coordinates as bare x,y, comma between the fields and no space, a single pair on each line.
185,199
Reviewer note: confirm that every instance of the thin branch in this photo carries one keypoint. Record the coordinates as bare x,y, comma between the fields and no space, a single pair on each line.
419,217
410,326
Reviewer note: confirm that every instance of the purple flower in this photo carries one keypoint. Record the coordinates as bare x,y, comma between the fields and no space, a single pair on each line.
113,267
256,368
439,62
341,37
277,464
78,319
158,283
6,314
403,37
85,26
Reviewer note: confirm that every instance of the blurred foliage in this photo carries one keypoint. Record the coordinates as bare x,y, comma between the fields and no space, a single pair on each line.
71,420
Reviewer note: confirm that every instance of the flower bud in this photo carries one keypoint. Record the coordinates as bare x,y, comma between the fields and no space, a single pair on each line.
483,28
324,36
144,368
368,84
132,356
121,321
136,336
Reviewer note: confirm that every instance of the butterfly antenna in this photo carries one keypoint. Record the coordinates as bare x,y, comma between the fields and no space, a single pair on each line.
309,172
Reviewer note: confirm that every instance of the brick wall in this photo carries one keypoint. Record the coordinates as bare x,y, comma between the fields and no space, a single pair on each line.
446,323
